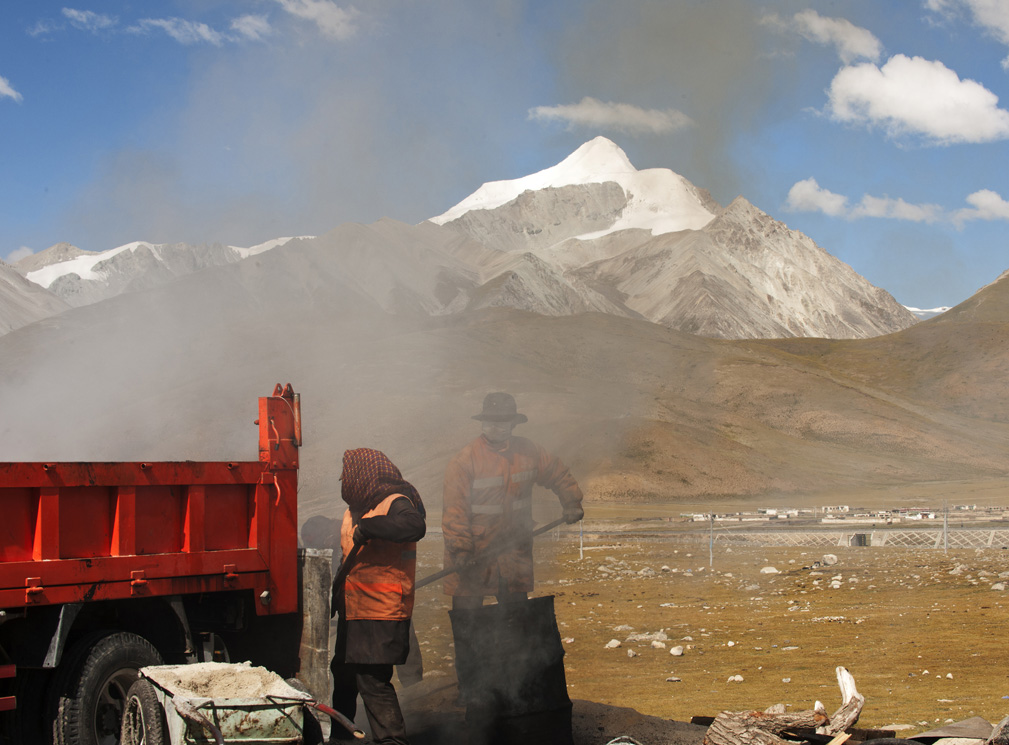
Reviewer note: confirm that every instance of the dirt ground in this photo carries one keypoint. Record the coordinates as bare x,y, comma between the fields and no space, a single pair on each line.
921,631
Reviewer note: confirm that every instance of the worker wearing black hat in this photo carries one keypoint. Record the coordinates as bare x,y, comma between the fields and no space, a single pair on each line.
487,508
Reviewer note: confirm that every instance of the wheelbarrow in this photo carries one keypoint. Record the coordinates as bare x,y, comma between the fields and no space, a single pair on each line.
216,703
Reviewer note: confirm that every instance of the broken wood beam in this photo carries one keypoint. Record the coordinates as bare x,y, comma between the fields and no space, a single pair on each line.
770,726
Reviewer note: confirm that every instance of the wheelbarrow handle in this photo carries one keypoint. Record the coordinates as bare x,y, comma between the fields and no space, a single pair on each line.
452,570
189,712
338,718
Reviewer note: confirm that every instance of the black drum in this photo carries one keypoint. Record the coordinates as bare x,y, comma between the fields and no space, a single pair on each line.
510,663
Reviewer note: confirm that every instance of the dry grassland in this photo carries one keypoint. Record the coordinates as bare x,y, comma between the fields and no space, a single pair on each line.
922,631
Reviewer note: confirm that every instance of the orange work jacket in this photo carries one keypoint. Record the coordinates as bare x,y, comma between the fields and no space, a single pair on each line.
487,505
379,586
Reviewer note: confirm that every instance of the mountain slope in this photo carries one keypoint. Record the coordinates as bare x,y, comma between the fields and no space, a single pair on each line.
23,302
641,412
591,233
657,247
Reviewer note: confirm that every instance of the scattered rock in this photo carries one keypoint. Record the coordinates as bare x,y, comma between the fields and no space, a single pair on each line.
769,570
674,679
612,644
829,559
998,587
676,651
655,636
786,680
658,645
631,653
735,679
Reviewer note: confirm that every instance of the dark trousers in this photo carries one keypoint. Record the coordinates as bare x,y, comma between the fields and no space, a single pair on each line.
374,684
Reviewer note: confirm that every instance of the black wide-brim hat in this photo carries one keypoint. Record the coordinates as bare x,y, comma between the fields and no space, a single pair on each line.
500,407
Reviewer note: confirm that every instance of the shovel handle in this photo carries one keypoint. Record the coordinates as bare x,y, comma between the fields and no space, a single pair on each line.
452,570
338,718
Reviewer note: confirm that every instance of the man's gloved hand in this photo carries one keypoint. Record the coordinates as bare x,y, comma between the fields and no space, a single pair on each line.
462,559
573,513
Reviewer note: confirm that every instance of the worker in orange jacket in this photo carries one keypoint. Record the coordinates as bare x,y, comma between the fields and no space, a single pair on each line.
378,539
487,508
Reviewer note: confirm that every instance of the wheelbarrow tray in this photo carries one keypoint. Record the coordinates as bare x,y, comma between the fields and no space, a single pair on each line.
274,714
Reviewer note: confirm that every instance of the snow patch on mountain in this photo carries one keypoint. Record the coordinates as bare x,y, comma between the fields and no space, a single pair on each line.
83,266
267,246
926,313
657,199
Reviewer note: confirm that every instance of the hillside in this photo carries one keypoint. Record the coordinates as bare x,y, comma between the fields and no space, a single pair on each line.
641,412
23,302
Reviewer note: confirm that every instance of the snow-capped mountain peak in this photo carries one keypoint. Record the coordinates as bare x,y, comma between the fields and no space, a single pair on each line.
658,199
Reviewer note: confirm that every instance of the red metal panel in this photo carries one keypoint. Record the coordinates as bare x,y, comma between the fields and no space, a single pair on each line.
171,473
159,519
20,507
85,522
124,527
256,582
284,534
46,541
226,516
194,537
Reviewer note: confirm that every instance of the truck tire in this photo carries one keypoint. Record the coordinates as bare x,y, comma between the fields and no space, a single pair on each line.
91,685
26,723
143,720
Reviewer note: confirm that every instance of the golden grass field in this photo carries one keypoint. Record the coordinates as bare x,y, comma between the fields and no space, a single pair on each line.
923,638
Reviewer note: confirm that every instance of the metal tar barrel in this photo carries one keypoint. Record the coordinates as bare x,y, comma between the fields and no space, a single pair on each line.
510,663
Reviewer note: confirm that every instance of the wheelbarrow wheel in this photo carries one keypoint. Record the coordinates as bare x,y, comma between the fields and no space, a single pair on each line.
143,718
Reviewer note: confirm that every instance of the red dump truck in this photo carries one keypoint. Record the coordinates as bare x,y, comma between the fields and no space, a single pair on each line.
108,567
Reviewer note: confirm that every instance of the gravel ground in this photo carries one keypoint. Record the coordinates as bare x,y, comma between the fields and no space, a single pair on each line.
920,630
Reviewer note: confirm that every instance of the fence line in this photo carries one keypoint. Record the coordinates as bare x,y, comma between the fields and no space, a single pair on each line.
956,539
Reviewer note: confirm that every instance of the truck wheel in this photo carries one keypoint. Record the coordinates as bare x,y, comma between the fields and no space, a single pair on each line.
91,685
143,720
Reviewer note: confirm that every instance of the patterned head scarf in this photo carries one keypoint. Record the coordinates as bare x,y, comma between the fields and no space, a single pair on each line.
369,477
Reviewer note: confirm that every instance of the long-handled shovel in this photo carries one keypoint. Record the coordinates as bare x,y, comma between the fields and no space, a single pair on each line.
489,555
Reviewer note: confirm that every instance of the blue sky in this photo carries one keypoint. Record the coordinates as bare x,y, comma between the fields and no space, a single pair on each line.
880,128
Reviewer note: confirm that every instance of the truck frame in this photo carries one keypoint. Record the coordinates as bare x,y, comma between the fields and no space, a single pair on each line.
108,567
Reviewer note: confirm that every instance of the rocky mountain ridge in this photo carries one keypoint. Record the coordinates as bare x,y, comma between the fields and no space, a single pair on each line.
591,233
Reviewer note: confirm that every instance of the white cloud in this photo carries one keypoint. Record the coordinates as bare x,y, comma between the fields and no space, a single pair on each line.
251,27
6,91
183,31
985,205
19,253
88,20
895,209
991,15
852,42
332,20
620,117
912,96
42,27
808,196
